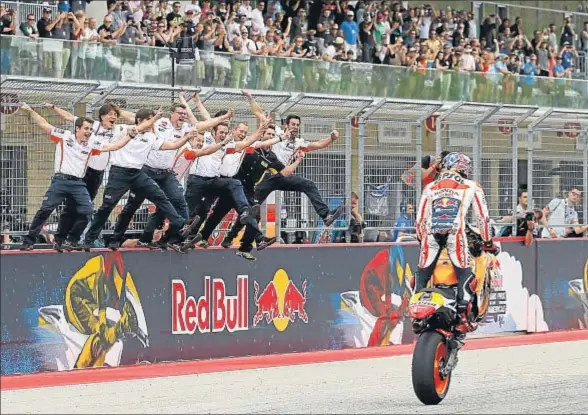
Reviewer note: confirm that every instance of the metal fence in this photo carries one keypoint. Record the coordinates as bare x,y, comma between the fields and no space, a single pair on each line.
558,161
378,155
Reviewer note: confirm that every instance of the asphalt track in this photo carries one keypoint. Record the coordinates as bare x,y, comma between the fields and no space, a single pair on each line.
537,379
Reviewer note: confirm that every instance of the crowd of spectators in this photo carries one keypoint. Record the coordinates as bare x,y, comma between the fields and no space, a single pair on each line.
382,32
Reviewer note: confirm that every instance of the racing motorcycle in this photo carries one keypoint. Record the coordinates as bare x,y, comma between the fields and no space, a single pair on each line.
434,317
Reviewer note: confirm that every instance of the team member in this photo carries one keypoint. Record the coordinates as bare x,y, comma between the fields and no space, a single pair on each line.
205,179
69,228
159,167
247,167
254,167
285,151
126,174
72,155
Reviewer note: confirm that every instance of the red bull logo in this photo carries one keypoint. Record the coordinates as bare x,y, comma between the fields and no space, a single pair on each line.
280,302
214,311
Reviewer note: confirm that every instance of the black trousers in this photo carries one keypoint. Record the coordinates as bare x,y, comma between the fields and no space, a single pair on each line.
62,187
167,181
224,206
120,181
292,183
200,191
71,225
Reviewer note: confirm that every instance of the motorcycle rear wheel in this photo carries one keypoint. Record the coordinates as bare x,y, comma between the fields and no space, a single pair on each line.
430,354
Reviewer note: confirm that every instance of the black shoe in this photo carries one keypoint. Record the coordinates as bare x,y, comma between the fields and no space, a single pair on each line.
202,244
185,232
227,241
26,246
178,248
113,245
58,246
150,245
72,246
264,242
246,255
189,244
333,215
87,246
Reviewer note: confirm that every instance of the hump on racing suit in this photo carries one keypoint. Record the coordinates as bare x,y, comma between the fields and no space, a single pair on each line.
442,222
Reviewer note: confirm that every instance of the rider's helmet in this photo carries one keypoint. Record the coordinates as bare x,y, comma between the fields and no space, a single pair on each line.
458,162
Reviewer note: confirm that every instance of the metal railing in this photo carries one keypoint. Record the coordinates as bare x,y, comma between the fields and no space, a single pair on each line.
152,65
378,155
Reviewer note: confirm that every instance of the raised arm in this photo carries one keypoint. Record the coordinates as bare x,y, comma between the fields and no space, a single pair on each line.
213,122
241,145
118,144
265,144
67,116
146,125
324,143
191,118
255,107
204,114
42,122
174,145
205,151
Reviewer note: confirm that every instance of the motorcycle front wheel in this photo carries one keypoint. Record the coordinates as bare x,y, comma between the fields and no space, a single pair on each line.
430,355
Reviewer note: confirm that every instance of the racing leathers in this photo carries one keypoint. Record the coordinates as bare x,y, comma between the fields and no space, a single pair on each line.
441,223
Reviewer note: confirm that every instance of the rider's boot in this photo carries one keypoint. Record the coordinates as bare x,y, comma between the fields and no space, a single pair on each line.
465,292
420,281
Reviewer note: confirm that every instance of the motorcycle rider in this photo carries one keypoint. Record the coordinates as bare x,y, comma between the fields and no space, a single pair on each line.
441,223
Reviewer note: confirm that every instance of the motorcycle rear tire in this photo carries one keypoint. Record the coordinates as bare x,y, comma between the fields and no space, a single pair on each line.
429,354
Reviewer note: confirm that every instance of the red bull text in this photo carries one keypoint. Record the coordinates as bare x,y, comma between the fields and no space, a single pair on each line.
215,311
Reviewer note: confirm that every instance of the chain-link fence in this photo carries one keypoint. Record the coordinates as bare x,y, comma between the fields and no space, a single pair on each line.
329,168
499,148
26,153
558,163
390,169
379,155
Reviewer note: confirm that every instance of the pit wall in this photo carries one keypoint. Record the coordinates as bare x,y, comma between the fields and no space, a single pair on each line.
79,310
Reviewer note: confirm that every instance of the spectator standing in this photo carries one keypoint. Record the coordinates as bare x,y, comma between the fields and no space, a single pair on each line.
560,212
88,49
174,17
584,38
567,32
366,38
29,28
257,21
350,33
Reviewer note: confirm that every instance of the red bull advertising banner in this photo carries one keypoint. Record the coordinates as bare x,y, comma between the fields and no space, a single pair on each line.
85,310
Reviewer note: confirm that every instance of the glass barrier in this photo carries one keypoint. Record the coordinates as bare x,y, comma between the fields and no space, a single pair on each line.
89,60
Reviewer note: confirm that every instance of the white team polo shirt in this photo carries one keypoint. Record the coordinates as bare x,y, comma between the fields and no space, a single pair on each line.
284,150
164,159
104,136
135,153
71,156
208,166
